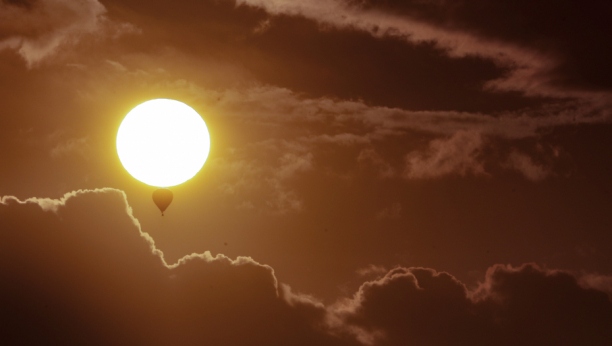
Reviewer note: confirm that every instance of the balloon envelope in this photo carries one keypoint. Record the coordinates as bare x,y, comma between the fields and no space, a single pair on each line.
162,198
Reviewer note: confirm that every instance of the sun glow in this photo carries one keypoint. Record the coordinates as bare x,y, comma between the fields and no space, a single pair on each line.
163,142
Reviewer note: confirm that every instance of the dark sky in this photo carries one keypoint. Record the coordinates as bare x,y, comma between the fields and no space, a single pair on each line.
382,172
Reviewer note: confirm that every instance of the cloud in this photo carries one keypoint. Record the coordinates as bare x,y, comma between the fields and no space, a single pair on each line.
341,14
459,154
370,156
524,164
266,104
248,170
457,150
371,270
245,205
88,274
599,282
79,269
262,26
286,200
74,145
272,117
514,306
575,44
346,139
391,212
291,163
528,67
540,62
459,137
38,30
118,66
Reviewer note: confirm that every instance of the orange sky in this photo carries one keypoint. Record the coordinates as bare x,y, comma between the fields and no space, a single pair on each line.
384,168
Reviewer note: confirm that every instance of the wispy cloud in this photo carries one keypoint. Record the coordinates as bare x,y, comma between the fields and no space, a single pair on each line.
529,69
459,154
78,146
370,156
272,104
118,66
371,270
393,211
38,31
525,165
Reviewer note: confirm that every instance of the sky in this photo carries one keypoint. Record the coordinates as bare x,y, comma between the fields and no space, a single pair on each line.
382,172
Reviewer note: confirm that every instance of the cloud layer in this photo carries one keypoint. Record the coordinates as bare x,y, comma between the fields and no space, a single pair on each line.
80,270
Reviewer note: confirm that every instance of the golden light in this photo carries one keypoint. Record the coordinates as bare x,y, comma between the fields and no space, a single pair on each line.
163,142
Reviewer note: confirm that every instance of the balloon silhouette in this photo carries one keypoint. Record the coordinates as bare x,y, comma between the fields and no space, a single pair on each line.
162,198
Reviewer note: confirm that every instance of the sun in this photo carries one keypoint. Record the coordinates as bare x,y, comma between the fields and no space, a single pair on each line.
163,142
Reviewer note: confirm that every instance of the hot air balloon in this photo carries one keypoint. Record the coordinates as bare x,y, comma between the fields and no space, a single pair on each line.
162,198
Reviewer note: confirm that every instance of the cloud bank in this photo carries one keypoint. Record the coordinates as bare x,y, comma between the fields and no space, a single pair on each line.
79,270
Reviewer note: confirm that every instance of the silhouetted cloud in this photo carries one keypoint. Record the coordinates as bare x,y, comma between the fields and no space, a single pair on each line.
514,306
598,282
88,274
80,270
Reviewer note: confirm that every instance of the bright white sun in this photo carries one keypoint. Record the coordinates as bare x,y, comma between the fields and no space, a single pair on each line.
163,142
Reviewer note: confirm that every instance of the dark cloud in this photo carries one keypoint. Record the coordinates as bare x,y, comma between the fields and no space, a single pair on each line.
549,65
572,31
79,271
302,55
514,306
82,273
298,55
